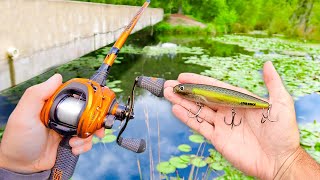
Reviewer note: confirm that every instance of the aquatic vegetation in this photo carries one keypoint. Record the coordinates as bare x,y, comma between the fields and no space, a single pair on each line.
300,75
310,139
1,133
166,168
196,138
108,138
281,46
159,50
214,162
14,94
184,148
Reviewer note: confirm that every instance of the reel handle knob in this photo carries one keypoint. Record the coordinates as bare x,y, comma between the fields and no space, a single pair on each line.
152,84
65,163
132,144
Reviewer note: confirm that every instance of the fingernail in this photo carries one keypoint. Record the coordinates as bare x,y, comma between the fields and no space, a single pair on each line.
53,77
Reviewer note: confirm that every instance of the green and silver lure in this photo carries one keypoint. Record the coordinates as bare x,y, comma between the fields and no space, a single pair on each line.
214,95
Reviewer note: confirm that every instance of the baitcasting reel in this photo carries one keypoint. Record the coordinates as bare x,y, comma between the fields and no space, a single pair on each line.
82,106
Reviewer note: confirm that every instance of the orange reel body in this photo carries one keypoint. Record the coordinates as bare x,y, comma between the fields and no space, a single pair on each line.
99,102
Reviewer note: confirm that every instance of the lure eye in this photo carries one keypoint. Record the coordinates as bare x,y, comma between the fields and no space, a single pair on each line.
181,88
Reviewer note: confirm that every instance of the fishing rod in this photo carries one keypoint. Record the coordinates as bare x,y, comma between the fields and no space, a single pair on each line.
81,106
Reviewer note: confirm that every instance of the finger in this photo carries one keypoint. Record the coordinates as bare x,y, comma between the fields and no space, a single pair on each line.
77,142
200,79
39,93
206,113
203,128
171,83
46,89
100,133
273,81
82,149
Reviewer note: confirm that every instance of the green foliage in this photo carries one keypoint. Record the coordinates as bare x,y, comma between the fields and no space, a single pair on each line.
213,162
1,133
184,148
165,168
196,138
299,69
178,162
310,139
168,29
290,17
198,162
108,138
225,20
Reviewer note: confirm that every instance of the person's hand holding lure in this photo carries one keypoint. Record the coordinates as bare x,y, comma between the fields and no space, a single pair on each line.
266,150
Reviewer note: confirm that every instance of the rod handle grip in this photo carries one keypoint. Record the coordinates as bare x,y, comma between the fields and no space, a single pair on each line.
152,84
66,162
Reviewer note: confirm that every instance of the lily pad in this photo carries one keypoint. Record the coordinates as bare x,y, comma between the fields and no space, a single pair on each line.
95,140
196,138
217,166
198,162
165,168
108,131
185,158
178,163
317,146
209,160
116,90
184,148
109,138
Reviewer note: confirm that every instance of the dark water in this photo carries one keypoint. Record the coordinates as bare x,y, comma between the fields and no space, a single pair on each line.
109,161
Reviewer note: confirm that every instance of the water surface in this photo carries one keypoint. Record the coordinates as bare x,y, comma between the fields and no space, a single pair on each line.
164,132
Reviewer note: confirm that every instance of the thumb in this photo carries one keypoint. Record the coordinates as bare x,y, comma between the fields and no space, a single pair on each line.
273,81
44,90
36,95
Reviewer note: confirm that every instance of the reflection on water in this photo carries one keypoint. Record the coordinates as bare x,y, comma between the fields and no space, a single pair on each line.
109,161
307,108
114,162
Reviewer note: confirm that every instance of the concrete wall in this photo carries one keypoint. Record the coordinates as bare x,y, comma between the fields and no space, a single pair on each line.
50,33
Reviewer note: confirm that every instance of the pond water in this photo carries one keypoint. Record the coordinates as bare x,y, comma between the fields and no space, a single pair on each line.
153,118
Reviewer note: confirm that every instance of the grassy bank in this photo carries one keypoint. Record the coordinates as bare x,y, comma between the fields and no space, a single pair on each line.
166,28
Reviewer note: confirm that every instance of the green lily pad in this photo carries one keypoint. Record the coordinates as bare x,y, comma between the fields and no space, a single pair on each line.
185,158
209,160
116,90
196,138
317,146
95,140
184,148
108,131
198,162
178,163
109,138
217,166
165,168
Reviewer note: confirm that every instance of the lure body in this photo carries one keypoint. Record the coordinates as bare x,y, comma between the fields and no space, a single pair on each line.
214,95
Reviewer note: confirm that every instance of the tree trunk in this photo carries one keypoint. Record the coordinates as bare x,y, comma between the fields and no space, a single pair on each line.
180,11
301,16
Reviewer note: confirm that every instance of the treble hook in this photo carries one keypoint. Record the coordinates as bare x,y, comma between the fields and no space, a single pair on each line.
232,120
266,117
197,114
